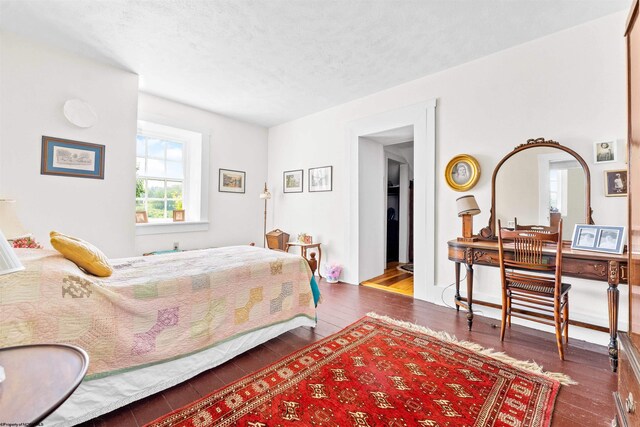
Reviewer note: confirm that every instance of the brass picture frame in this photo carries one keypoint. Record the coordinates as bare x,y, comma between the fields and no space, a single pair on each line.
462,172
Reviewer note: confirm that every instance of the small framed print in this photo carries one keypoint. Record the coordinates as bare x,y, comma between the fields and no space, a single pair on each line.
72,158
615,183
321,179
599,238
293,181
462,172
141,217
231,181
178,215
605,152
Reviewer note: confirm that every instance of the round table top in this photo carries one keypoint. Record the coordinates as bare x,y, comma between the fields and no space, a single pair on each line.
39,378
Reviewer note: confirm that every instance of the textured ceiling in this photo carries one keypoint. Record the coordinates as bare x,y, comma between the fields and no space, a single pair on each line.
271,61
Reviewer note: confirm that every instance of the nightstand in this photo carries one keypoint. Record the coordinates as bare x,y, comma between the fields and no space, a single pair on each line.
304,247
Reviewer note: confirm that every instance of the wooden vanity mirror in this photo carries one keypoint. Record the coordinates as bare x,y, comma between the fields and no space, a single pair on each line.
538,183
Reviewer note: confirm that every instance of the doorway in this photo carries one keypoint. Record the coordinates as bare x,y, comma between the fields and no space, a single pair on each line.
364,259
387,157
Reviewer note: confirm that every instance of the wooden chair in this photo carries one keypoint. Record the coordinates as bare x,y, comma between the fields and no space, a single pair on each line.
538,297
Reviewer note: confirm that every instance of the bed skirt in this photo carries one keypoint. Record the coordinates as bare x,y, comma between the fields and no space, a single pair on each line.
99,396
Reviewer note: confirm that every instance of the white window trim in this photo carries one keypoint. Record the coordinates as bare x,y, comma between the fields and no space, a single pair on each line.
191,224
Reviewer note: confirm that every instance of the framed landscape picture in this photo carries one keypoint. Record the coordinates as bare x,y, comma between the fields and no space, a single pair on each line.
293,181
72,158
231,181
321,179
615,183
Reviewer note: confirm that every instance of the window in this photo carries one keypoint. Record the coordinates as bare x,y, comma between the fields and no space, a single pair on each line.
160,174
169,168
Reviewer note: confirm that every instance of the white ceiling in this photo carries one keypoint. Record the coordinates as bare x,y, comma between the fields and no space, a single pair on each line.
271,61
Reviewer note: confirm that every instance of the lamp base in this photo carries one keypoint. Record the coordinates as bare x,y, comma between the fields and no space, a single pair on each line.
468,239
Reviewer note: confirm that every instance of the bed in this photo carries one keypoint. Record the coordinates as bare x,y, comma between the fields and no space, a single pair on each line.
157,320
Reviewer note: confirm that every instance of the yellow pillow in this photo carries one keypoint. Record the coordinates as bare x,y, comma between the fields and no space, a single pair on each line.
83,254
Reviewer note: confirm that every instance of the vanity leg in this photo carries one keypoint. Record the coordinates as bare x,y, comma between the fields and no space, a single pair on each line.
469,294
457,286
319,260
613,295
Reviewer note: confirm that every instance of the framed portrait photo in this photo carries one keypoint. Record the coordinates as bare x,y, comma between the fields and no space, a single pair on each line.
141,217
605,152
321,179
615,183
72,158
462,172
293,181
231,181
598,238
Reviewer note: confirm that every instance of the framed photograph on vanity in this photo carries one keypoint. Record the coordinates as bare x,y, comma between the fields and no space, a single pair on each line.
293,181
605,152
615,183
72,158
321,179
231,181
598,238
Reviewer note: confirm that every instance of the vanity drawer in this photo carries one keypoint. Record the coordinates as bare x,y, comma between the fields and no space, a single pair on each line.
587,269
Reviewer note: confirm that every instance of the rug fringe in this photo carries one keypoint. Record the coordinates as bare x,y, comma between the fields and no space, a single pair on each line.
528,366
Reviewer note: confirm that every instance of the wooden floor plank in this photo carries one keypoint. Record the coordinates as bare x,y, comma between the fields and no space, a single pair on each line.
587,404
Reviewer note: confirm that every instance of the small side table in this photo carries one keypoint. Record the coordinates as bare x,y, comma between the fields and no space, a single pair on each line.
40,377
304,247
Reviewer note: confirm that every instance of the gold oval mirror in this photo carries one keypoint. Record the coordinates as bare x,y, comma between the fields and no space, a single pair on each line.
538,183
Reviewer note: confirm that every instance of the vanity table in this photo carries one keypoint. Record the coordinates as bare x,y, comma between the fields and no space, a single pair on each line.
607,268
545,179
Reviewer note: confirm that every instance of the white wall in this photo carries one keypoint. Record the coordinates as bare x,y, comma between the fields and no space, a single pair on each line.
35,81
234,219
569,86
372,215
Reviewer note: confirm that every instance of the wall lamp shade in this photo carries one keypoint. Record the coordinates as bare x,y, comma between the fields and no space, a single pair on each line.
10,225
467,207
9,262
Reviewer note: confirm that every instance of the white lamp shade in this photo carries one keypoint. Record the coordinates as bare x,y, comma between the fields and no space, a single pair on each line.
467,205
9,262
10,225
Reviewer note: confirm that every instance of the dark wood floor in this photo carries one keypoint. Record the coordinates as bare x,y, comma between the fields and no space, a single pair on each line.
587,404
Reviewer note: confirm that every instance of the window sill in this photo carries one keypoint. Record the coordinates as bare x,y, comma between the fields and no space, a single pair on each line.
171,227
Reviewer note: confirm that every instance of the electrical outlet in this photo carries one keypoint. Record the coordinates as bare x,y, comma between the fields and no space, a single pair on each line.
176,246
511,224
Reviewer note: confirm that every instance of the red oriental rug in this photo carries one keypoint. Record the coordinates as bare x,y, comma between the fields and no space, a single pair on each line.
382,372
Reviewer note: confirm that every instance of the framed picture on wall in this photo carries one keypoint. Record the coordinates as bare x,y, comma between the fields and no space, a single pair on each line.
321,179
293,181
615,183
605,152
65,157
231,181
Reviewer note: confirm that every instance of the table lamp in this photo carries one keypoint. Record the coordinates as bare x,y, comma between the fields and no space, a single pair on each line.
9,222
467,207
265,195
